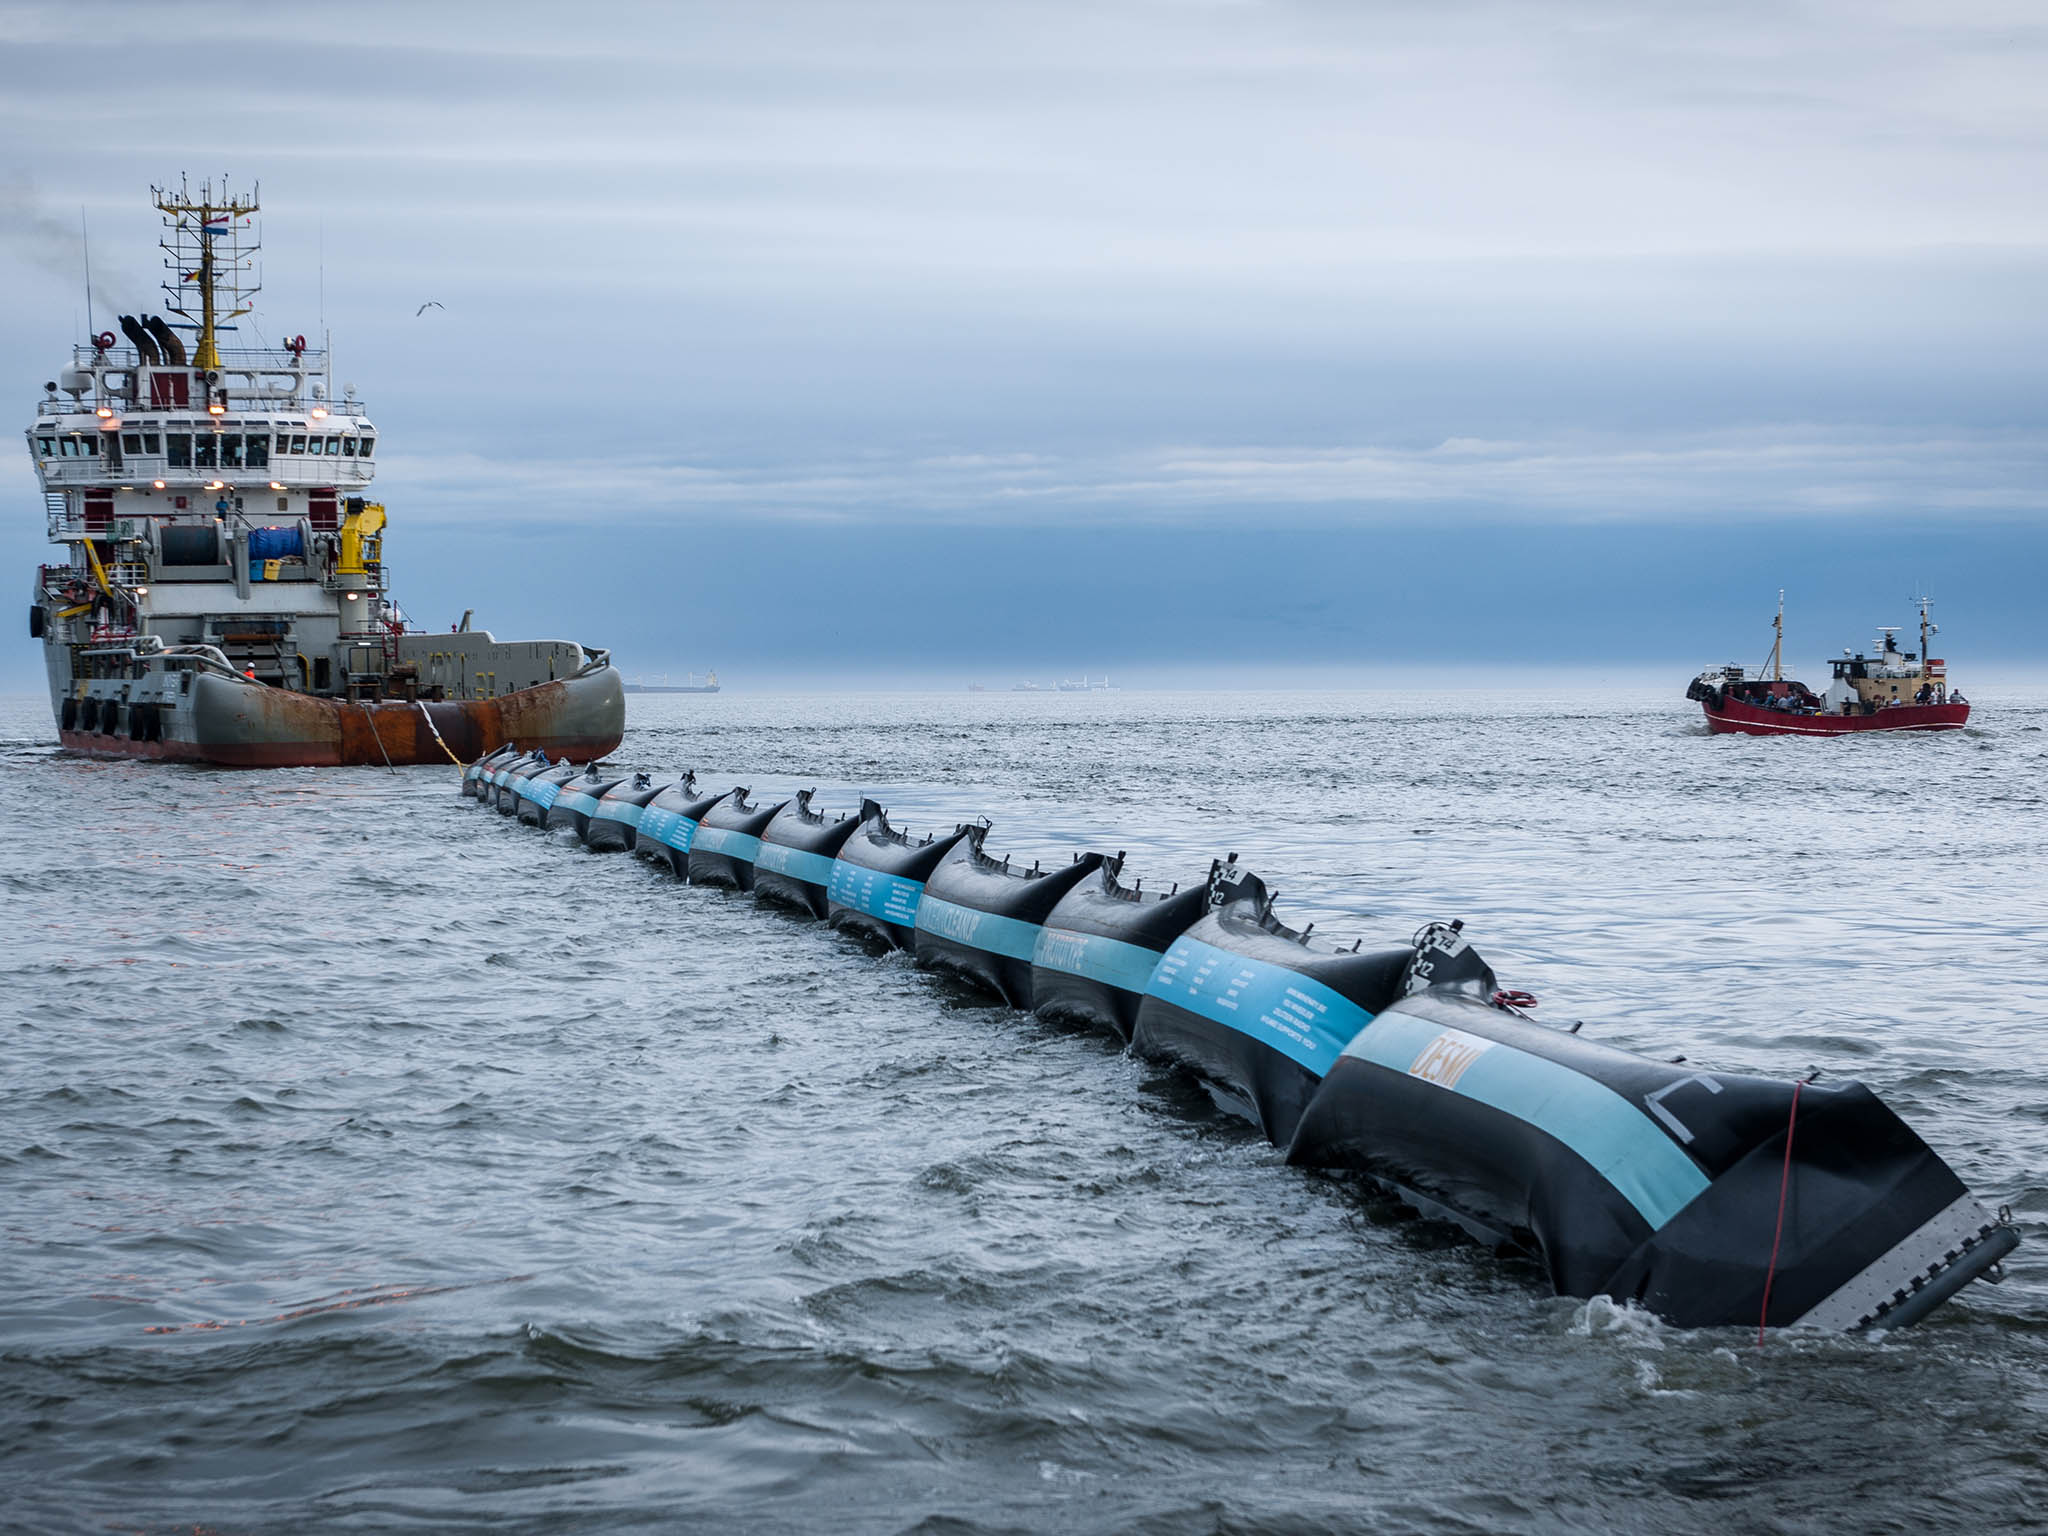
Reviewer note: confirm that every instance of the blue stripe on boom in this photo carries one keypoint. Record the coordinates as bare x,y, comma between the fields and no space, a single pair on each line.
1301,1018
577,800
668,827
1621,1143
742,846
797,863
619,810
1112,962
977,929
890,897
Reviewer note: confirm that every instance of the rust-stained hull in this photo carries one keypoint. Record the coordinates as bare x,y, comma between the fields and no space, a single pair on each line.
237,724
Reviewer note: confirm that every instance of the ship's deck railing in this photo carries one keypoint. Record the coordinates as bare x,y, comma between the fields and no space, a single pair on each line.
270,378
232,359
239,402
291,470
53,578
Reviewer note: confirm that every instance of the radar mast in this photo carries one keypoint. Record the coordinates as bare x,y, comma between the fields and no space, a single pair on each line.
210,251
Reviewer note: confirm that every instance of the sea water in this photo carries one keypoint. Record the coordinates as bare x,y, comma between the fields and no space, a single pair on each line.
373,1161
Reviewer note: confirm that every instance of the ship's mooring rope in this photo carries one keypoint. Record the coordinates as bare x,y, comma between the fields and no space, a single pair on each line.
1784,1185
422,703
376,733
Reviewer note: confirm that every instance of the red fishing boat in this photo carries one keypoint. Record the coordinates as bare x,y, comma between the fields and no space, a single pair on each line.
1892,690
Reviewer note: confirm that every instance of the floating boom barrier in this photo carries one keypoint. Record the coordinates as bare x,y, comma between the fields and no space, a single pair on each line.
1708,1198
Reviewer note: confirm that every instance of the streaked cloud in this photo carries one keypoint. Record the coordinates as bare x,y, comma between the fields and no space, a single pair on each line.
1727,477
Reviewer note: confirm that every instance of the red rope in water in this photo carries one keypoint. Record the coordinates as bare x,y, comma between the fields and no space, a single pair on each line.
1784,1185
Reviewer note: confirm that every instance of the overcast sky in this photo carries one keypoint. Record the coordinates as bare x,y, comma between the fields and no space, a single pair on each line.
1390,324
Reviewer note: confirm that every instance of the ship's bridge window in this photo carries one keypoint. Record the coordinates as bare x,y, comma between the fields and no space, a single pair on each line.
179,450
256,455
298,442
205,451
75,448
333,446
149,443
47,447
131,442
348,447
284,444
368,444
231,451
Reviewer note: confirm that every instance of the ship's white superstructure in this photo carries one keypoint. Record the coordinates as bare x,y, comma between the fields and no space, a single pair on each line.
211,502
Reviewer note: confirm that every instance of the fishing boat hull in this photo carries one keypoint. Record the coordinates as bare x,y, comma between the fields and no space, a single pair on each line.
1733,717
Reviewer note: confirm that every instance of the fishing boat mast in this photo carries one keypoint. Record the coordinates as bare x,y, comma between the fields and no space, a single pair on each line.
1778,641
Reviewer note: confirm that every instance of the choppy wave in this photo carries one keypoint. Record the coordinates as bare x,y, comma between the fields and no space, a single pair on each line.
371,1161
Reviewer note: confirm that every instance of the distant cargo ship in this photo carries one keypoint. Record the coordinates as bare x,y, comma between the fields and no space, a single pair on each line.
1068,685
663,685
223,596
1893,690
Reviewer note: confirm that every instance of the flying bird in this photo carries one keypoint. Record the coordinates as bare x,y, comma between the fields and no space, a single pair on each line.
430,304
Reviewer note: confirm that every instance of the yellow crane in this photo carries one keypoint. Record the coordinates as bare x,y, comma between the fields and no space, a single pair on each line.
361,539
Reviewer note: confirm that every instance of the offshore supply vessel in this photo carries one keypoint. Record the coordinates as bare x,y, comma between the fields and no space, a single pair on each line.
223,596
1890,690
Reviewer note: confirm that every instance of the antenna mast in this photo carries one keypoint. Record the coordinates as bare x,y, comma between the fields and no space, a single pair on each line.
1778,643
210,251
85,249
